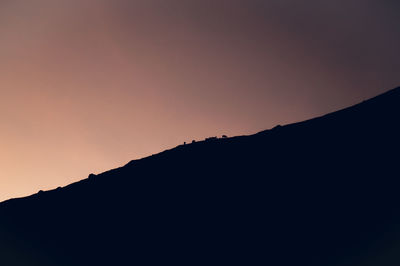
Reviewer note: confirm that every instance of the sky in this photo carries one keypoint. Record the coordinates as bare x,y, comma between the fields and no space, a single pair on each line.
88,85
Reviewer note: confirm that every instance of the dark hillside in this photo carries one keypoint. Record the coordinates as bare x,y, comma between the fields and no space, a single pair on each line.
320,192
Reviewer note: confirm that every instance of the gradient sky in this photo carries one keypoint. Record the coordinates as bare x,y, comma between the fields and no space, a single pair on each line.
87,85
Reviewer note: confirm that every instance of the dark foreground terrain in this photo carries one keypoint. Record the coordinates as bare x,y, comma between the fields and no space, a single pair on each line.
319,192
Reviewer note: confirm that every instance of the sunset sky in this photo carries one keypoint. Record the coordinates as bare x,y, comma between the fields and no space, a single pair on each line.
88,85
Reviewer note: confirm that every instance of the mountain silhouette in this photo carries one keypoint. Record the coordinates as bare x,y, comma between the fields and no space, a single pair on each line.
319,192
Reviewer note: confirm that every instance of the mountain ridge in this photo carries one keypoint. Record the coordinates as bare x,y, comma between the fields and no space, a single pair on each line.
319,192
387,94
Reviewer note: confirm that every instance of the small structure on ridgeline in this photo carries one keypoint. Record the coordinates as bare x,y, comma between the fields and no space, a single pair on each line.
91,176
277,127
224,136
193,141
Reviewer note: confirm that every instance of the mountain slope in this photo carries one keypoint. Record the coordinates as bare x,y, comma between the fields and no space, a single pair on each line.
319,192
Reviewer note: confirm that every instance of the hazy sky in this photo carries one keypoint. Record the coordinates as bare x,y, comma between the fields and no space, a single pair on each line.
87,85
